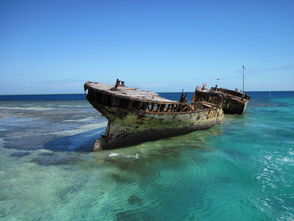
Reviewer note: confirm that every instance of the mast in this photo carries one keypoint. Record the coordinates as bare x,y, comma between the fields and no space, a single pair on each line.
243,76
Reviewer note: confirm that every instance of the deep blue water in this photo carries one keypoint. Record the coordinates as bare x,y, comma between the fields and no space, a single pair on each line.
242,169
260,95
43,97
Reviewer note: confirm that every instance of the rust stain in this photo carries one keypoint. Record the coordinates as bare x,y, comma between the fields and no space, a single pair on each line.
136,116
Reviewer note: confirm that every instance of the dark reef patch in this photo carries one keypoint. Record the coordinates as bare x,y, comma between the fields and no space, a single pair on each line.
55,159
19,154
119,178
82,142
64,194
236,154
135,200
133,215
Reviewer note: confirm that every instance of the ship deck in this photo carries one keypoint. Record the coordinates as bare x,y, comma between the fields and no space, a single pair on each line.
134,94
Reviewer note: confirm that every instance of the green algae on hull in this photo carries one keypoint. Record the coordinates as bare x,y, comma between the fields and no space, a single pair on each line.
135,116
233,101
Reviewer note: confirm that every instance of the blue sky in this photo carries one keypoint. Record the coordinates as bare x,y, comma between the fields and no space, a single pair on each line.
55,46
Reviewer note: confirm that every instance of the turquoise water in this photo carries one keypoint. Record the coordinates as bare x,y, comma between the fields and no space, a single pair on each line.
239,170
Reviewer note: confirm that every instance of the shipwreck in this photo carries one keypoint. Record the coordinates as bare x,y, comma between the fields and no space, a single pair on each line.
233,101
136,116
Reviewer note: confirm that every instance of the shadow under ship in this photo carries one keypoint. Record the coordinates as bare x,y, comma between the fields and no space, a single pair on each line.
136,116
233,101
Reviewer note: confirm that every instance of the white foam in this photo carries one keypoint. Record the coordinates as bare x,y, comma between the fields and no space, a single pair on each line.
44,151
80,120
2,141
81,129
37,108
112,154
287,160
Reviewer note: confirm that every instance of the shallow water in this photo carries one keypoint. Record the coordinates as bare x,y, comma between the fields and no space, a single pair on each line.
239,170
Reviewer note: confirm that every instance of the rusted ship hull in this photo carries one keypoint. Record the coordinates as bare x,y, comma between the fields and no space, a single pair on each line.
231,106
233,102
126,128
135,121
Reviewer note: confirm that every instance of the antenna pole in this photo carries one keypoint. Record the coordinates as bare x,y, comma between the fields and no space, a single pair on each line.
243,76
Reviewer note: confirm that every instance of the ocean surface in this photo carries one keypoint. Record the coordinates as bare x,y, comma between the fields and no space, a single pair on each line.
242,169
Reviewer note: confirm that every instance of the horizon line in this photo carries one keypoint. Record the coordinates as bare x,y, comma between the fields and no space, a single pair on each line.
156,92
